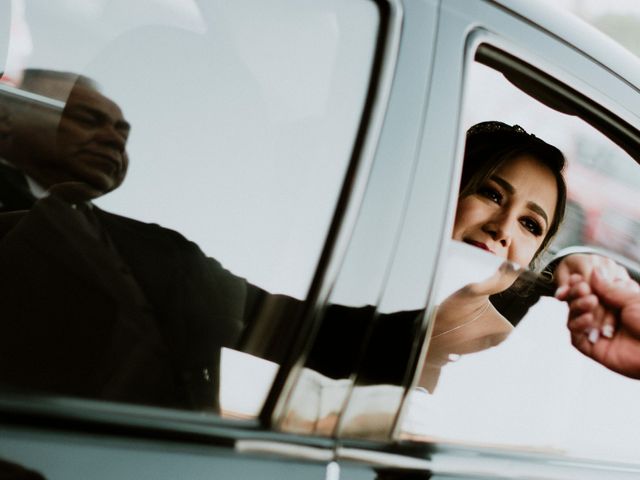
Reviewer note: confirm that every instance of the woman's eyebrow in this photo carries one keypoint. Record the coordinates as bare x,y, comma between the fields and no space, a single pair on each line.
503,183
533,206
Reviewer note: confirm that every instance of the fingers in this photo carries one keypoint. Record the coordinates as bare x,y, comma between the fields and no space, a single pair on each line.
502,279
608,328
590,330
601,298
570,289
584,265
583,341
609,269
583,304
615,293
571,266
594,308
561,276
586,315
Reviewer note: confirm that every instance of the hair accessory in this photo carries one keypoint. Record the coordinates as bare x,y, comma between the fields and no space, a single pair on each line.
496,127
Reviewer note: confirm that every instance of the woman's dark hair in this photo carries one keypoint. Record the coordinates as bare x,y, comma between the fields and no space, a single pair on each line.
490,144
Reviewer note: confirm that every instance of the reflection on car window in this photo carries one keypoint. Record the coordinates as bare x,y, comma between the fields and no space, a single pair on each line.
165,193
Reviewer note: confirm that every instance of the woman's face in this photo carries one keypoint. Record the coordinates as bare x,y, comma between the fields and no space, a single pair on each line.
510,213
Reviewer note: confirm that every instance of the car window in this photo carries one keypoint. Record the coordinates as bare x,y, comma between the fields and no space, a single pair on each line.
596,167
527,387
170,171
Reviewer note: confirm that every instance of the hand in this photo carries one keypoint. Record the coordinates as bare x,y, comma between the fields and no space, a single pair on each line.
584,264
501,280
575,269
603,301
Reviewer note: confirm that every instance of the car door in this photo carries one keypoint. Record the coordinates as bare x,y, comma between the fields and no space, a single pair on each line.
159,300
515,410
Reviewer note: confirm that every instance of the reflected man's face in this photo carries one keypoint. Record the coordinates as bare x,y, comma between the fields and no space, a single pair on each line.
91,142
510,213
81,150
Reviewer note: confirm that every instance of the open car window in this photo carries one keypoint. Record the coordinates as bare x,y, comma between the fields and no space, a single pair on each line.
529,389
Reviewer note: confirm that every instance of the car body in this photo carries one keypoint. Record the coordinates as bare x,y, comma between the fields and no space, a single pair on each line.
314,149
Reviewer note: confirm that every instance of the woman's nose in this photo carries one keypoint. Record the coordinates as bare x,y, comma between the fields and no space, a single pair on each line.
500,228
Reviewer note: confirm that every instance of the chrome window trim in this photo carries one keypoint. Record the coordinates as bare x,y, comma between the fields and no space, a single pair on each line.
489,463
23,412
34,98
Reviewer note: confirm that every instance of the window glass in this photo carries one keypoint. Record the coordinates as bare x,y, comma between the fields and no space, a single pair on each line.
170,170
527,387
350,383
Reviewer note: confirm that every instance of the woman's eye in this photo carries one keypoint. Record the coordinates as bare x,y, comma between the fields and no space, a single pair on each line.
532,225
491,193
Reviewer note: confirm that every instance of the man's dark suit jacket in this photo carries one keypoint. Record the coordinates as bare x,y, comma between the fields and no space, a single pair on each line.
129,311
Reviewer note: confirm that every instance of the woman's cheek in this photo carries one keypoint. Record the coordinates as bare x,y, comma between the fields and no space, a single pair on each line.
528,249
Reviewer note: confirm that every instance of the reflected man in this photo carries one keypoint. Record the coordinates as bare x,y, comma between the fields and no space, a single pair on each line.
82,149
96,304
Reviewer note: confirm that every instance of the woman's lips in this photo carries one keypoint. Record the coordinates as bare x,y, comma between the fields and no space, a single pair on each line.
481,245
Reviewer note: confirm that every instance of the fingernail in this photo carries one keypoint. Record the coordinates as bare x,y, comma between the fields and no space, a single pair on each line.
607,331
594,335
561,290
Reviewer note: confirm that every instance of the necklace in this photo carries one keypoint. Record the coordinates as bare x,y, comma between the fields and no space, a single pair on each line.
486,306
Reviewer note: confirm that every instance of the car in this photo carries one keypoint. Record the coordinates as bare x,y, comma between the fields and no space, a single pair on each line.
202,291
